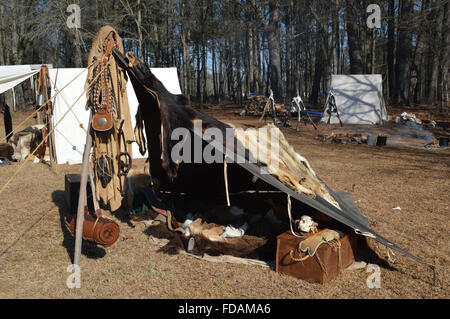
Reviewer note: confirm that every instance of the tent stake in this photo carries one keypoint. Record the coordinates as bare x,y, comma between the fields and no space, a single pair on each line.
82,196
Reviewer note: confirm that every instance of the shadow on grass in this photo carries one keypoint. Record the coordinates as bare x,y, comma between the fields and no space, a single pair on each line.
367,254
88,249
21,235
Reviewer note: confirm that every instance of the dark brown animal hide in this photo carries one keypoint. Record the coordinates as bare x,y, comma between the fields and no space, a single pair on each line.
173,111
163,112
7,119
26,141
249,246
6,151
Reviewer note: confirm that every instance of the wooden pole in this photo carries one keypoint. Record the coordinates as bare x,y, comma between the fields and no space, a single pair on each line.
94,195
82,196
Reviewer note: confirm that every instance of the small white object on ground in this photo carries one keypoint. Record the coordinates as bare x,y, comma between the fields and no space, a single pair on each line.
191,244
189,220
397,208
231,231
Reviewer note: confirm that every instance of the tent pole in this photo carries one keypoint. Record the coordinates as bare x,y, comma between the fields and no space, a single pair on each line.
14,99
82,196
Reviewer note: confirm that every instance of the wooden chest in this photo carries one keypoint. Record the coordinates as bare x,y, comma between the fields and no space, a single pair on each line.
322,267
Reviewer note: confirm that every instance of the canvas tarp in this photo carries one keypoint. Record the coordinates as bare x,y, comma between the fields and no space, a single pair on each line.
13,75
359,99
69,136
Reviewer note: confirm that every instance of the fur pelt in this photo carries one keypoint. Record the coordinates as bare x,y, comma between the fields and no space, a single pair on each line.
288,166
247,246
6,151
172,111
4,108
136,180
26,141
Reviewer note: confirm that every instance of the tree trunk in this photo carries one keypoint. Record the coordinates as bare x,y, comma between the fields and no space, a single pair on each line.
186,72
255,59
335,38
251,60
264,68
214,74
434,88
204,75
78,57
199,75
2,47
390,50
157,52
354,44
417,64
317,76
139,29
372,53
403,53
273,38
446,59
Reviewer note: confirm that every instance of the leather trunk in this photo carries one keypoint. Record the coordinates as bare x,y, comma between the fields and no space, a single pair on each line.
322,267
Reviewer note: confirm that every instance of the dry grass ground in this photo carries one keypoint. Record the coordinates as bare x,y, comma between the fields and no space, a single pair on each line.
36,249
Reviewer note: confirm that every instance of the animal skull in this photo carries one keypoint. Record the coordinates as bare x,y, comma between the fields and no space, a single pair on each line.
307,224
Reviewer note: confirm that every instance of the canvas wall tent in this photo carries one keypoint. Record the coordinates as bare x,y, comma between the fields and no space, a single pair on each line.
359,99
70,137
13,75
70,134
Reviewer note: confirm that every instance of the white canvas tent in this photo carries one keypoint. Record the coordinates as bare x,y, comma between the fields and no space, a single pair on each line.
359,99
69,136
13,75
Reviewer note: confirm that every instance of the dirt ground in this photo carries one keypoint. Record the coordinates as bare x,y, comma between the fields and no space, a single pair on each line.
36,248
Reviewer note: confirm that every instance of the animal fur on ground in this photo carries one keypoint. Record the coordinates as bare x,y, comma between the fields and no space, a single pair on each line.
246,246
6,151
26,141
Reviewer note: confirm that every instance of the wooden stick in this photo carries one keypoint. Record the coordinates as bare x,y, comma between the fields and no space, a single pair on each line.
82,197
94,195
